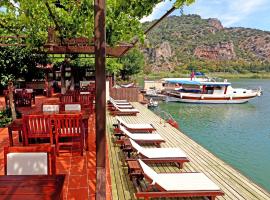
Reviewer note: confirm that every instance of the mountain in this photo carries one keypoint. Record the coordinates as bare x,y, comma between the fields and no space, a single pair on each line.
189,42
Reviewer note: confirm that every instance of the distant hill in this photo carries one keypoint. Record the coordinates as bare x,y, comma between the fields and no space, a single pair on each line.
188,42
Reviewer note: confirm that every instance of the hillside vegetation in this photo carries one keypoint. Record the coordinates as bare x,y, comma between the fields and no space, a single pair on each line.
188,42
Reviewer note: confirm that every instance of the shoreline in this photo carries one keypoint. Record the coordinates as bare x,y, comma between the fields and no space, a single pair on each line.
153,76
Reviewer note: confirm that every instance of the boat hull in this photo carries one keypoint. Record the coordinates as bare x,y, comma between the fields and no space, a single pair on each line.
209,99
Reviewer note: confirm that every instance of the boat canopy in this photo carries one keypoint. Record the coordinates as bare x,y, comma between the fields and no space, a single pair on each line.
206,83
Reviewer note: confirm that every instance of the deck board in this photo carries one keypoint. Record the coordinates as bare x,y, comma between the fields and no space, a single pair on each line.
232,182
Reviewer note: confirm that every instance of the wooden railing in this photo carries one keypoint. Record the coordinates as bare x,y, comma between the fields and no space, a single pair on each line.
130,94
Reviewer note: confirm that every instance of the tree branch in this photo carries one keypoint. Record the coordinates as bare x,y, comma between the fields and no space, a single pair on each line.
54,18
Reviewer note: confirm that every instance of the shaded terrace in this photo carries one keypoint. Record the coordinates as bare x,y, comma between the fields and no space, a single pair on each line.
80,171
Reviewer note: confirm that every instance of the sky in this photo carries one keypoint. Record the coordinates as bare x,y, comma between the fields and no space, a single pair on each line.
231,13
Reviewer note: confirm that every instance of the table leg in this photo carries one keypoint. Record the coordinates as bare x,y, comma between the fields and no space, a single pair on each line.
86,134
10,137
20,136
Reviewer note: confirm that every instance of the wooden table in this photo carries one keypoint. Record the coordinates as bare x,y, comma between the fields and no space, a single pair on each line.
16,125
31,187
134,169
127,147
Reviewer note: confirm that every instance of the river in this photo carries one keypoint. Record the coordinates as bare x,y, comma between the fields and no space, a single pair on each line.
239,134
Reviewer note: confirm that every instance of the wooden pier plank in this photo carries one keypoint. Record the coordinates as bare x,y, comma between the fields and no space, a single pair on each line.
232,182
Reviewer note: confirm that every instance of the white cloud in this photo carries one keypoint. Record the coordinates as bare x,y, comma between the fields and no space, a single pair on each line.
158,11
229,12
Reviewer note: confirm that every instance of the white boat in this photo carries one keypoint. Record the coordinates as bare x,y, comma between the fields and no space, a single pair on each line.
193,91
152,103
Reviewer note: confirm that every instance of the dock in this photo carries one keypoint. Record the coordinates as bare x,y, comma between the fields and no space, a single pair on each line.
234,184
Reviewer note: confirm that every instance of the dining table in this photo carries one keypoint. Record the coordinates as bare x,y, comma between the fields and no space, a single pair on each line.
32,187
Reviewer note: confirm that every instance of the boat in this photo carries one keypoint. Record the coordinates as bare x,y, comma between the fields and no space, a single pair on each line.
152,103
208,91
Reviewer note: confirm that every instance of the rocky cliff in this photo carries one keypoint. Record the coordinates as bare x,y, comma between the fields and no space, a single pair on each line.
179,41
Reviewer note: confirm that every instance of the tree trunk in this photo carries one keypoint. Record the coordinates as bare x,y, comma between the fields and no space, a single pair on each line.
11,102
63,81
72,79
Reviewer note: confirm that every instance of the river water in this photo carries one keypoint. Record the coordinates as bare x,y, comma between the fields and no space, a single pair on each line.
239,134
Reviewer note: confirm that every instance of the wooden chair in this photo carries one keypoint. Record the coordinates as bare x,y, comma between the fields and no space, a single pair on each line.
37,127
34,160
68,126
86,100
67,98
22,98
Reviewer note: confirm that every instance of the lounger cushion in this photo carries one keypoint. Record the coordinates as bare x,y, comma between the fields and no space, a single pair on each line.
185,181
127,110
158,152
141,136
134,126
125,106
179,181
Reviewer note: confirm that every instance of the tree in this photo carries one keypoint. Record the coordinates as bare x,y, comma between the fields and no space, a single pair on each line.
73,18
133,63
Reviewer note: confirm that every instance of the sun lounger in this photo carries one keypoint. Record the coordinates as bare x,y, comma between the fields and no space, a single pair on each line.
124,112
143,138
119,102
176,184
142,127
160,155
122,106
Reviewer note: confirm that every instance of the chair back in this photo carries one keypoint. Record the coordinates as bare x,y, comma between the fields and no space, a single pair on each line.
38,160
136,146
67,98
37,126
148,171
68,125
73,107
85,99
50,108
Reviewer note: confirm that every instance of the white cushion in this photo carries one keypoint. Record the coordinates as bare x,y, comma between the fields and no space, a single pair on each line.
148,171
179,181
163,153
140,136
84,92
185,182
159,152
124,106
27,164
72,107
134,126
50,108
127,110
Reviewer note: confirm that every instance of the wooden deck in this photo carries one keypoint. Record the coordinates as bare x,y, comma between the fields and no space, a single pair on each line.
232,182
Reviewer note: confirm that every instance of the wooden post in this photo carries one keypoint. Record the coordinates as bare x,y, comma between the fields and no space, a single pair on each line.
11,102
100,62
63,79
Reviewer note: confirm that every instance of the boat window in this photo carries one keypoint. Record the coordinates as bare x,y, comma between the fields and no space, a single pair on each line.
234,91
244,92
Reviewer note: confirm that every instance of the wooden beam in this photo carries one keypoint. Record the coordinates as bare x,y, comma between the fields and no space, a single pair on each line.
100,62
149,29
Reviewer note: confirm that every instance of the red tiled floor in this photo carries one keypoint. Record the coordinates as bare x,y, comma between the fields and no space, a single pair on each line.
80,171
